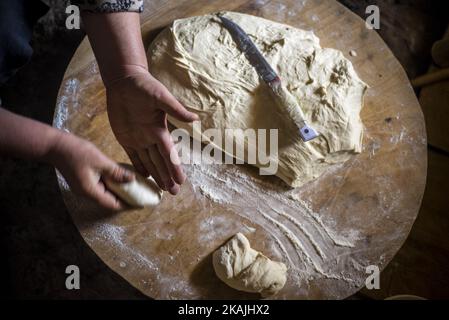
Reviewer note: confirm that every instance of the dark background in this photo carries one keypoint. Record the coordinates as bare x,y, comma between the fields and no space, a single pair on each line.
38,238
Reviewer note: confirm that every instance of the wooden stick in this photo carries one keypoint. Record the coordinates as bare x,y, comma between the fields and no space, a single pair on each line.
440,52
429,78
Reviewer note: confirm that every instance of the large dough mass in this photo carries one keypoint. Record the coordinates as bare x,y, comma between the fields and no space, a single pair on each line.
198,61
245,269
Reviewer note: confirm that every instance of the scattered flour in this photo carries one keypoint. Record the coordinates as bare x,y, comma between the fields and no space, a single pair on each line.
305,242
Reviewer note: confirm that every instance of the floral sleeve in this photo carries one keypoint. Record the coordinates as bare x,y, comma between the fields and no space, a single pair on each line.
104,6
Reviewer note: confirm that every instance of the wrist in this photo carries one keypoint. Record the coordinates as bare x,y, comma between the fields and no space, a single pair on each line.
55,150
122,72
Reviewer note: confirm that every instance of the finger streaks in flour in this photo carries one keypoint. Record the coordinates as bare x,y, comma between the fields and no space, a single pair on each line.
308,245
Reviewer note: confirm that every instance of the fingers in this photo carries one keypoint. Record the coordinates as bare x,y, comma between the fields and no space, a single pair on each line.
143,163
103,197
136,161
150,167
117,173
172,106
162,169
165,148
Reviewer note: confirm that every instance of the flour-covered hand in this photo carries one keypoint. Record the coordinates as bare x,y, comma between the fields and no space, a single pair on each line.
138,105
85,167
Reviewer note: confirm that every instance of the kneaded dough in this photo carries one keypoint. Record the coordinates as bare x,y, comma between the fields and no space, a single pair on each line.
198,61
245,269
140,192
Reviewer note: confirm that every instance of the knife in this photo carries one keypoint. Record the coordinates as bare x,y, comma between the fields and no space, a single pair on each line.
283,97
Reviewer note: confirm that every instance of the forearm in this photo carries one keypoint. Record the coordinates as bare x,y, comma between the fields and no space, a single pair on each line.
117,43
25,138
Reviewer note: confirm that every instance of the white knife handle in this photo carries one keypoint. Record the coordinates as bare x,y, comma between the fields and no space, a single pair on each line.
287,102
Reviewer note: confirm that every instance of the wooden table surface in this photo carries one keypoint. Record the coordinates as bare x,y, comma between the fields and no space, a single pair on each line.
355,215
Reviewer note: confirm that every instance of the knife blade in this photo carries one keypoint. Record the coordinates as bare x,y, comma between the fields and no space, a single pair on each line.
283,97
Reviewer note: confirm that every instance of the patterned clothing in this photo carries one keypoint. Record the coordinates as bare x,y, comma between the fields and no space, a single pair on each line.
18,17
104,6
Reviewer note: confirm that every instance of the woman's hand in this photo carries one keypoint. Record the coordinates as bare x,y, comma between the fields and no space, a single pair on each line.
137,103
84,166
79,161
137,108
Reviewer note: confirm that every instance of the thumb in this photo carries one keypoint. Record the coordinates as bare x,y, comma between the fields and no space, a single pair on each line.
172,106
117,173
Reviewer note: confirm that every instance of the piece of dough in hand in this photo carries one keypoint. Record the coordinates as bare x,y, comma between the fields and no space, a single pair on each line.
140,192
245,269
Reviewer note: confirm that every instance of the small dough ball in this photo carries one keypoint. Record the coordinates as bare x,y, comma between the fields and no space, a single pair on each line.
140,192
245,269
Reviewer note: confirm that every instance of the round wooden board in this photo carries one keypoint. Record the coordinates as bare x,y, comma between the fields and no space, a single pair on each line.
357,214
